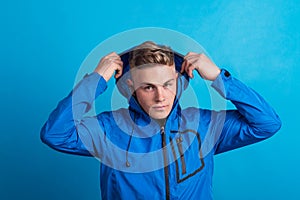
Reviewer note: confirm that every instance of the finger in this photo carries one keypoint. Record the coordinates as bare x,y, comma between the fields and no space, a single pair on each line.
182,66
118,62
186,66
118,72
192,58
190,70
187,55
190,54
115,57
112,60
109,55
112,54
119,68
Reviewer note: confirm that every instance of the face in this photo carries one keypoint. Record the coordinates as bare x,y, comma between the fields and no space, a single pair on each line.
155,89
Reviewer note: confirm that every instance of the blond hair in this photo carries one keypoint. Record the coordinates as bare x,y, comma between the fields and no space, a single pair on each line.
151,53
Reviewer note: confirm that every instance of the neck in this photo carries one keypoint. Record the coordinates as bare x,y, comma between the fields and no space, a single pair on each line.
161,122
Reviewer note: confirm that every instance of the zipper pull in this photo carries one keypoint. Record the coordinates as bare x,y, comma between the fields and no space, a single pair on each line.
162,130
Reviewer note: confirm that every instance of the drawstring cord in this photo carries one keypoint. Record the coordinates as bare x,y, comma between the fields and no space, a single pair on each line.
129,142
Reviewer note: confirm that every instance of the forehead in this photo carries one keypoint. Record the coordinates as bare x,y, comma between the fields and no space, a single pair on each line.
154,74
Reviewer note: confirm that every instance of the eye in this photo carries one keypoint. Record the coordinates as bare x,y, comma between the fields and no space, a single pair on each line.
169,84
148,88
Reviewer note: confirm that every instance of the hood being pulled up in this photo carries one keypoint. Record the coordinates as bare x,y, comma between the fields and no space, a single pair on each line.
182,80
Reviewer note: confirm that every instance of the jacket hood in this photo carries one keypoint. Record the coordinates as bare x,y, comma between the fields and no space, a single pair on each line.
182,80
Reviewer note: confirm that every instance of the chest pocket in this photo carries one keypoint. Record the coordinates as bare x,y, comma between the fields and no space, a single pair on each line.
186,149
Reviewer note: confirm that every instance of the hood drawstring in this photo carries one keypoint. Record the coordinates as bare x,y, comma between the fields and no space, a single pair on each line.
129,142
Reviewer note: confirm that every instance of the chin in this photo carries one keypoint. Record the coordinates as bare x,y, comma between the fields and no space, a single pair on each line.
159,115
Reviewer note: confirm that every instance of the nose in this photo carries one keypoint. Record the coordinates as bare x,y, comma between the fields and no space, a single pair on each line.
160,94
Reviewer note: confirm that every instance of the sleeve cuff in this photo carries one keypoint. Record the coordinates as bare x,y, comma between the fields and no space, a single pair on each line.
102,84
91,86
219,83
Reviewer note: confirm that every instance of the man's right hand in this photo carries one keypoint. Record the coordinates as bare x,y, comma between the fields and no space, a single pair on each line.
109,65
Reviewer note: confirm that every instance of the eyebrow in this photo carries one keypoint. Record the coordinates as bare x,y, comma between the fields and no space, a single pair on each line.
145,83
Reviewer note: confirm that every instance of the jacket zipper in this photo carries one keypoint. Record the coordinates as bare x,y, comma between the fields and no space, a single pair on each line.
166,170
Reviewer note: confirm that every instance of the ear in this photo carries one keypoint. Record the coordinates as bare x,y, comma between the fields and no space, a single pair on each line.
130,85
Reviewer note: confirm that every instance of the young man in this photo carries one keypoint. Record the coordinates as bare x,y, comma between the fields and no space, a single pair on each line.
154,149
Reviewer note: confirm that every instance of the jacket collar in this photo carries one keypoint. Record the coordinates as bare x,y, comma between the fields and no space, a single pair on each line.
141,118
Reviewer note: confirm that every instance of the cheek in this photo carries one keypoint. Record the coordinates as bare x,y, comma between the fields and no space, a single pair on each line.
144,98
172,92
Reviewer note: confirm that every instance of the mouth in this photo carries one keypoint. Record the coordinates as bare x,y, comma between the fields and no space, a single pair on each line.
160,107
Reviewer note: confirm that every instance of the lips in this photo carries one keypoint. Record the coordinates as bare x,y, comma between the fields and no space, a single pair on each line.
160,107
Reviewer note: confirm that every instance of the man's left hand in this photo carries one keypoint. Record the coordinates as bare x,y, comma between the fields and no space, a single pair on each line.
200,62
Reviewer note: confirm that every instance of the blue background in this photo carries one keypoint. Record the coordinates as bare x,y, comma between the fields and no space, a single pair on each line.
43,44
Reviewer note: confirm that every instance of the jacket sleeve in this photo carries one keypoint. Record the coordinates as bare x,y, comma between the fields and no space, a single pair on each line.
67,129
253,121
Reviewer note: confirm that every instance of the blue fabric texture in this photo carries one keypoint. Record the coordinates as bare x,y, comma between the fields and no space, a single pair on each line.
141,159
